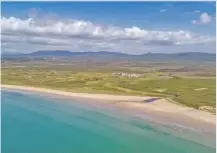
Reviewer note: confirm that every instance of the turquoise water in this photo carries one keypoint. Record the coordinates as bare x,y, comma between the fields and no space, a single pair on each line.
32,123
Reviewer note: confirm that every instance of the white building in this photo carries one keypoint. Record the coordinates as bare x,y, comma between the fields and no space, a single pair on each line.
127,74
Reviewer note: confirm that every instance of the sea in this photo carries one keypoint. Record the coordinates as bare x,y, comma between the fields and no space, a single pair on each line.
43,123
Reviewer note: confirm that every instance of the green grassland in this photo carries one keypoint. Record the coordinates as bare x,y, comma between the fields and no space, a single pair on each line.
185,90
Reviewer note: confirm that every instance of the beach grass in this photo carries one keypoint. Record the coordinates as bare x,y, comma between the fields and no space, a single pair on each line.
194,92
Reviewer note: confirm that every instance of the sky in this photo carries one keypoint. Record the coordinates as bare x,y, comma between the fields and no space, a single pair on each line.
127,27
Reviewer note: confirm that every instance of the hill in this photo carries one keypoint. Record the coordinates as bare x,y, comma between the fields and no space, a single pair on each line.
189,56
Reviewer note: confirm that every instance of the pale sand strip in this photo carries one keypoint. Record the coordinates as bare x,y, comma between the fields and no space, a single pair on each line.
161,105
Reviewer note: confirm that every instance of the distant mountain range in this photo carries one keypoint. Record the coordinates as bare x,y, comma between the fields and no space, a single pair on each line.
69,53
194,56
6,53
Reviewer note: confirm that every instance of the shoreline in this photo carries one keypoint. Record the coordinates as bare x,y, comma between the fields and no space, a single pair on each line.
160,107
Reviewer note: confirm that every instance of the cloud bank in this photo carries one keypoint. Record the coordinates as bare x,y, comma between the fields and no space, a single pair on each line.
83,35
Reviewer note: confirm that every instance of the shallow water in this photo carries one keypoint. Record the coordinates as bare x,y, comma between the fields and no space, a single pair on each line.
32,123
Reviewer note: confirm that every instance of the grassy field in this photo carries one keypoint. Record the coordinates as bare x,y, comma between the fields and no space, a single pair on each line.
192,91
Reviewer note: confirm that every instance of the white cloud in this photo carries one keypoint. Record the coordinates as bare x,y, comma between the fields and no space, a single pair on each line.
163,10
205,18
79,35
197,11
35,40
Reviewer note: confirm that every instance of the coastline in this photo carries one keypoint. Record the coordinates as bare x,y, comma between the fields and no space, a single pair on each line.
160,107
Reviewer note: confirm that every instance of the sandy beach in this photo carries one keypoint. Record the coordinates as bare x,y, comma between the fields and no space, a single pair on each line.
160,107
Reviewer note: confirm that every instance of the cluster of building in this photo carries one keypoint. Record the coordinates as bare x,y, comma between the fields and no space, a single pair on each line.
128,75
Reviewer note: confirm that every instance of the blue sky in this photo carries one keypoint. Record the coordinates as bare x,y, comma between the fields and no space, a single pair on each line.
131,27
